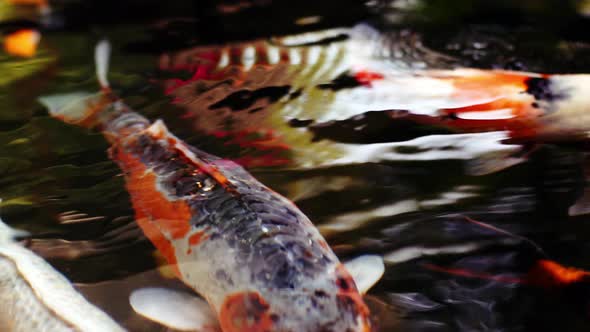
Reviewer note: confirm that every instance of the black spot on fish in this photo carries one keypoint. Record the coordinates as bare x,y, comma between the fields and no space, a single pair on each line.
320,293
540,88
254,110
244,99
296,123
284,276
324,41
409,149
222,275
295,94
153,154
376,127
343,81
343,284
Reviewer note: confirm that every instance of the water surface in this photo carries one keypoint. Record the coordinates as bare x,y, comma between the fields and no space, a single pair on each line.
58,183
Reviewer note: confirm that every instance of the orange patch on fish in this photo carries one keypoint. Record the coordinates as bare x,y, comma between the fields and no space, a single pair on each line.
245,312
22,43
522,122
366,77
158,239
195,239
490,84
161,219
348,294
550,274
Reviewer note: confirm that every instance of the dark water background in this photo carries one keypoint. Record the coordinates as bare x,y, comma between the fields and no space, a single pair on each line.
51,170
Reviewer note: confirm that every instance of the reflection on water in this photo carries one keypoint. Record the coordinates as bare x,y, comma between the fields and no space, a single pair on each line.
318,117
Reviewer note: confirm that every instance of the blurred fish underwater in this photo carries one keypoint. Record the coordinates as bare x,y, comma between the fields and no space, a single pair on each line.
450,138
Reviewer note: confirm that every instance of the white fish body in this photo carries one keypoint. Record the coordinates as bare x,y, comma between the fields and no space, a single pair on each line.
35,297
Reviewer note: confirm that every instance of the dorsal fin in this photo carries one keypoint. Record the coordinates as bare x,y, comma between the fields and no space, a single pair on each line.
102,53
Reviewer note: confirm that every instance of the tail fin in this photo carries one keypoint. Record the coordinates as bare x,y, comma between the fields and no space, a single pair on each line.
83,108
102,54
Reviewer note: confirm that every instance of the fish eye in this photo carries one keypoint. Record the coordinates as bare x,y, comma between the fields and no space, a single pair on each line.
191,183
207,184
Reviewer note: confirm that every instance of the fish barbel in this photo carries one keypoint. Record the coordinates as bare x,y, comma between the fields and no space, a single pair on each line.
252,254
35,297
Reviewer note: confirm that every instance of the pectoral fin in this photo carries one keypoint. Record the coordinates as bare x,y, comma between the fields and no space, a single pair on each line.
174,309
366,270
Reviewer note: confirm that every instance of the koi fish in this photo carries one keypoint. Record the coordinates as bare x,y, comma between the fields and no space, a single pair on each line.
35,297
544,273
287,86
252,254
326,87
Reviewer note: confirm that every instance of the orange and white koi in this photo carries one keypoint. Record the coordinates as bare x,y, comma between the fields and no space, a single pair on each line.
257,259
326,77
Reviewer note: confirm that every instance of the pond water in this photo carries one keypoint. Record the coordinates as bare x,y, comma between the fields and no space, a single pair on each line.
283,106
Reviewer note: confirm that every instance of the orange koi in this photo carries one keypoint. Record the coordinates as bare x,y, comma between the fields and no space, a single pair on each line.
350,81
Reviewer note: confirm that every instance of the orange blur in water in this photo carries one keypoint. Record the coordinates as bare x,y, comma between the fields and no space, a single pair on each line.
22,43
544,273
550,274
29,2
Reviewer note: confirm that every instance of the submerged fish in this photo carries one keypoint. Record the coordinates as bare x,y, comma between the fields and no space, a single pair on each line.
544,273
313,99
258,260
35,297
